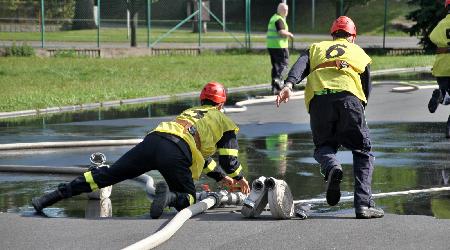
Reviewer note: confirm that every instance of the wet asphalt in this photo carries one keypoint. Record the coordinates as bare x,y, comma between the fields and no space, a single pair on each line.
227,229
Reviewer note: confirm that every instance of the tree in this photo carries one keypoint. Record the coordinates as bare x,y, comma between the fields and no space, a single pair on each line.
347,4
84,15
427,16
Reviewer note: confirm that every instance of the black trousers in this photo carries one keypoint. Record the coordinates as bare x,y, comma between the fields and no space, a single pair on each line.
338,120
279,58
444,84
155,152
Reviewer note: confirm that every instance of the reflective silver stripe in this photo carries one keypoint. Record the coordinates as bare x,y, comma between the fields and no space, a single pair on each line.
228,151
90,180
236,172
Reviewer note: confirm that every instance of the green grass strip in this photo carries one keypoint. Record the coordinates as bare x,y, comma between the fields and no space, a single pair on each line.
30,83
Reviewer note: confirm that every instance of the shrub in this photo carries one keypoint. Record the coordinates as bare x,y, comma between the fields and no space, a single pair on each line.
19,50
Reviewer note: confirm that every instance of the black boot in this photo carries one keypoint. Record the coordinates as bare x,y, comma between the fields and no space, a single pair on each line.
163,199
368,212
46,200
435,99
334,179
277,86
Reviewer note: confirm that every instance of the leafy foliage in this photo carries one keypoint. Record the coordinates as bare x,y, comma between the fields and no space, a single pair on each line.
21,50
347,4
427,16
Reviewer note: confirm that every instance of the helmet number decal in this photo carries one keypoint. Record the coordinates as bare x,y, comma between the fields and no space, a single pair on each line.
195,114
335,51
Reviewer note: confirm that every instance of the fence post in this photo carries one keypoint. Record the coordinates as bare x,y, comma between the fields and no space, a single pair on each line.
293,22
313,14
247,24
98,23
293,16
200,7
149,23
385,20
42,23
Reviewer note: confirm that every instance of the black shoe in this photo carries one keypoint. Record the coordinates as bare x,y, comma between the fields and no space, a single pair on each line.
368,212
333,186
163,199
277,86
46,200
435,99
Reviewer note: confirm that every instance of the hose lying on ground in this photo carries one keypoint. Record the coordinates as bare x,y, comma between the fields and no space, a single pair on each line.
379,195
144,178
172,227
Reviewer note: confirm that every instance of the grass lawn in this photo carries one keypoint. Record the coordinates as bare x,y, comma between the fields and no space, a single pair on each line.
29,83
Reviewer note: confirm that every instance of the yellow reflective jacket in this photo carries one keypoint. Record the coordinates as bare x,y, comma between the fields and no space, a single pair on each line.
347,79
210,123
273,39
441,37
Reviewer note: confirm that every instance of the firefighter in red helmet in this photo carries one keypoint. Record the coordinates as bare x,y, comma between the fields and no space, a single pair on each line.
180,150
440,36
336,94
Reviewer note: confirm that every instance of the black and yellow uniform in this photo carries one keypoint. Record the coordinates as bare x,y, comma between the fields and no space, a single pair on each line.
337,90
180,150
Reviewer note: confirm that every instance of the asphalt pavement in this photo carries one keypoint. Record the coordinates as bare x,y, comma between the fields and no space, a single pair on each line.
227,229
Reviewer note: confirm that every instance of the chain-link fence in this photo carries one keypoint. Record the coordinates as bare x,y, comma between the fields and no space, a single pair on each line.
181,23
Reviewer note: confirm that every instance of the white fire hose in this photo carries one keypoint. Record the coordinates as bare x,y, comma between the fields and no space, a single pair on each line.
212,200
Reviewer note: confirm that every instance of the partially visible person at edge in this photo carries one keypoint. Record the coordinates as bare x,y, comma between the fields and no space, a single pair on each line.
277,44
441,68
180,150
336,94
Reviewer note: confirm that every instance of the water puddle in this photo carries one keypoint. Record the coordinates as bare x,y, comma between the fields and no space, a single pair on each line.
408,156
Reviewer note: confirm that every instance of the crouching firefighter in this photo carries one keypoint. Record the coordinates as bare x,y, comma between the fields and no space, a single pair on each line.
180,150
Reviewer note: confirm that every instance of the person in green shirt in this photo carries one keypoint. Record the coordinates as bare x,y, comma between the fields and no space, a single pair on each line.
277,44
440,36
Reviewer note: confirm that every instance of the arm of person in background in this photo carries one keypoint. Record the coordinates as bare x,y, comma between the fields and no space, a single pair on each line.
298,72
282,30
366,83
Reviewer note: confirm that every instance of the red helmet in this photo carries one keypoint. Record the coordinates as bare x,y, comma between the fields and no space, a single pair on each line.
214,91
346,24
447,2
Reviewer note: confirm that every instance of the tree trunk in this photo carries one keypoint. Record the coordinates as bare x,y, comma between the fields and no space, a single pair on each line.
84,15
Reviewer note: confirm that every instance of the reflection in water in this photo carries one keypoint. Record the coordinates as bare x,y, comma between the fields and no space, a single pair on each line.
99,208
408,156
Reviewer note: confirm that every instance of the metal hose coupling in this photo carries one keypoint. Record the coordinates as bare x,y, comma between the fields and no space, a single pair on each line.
256,201
98,160
224,197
